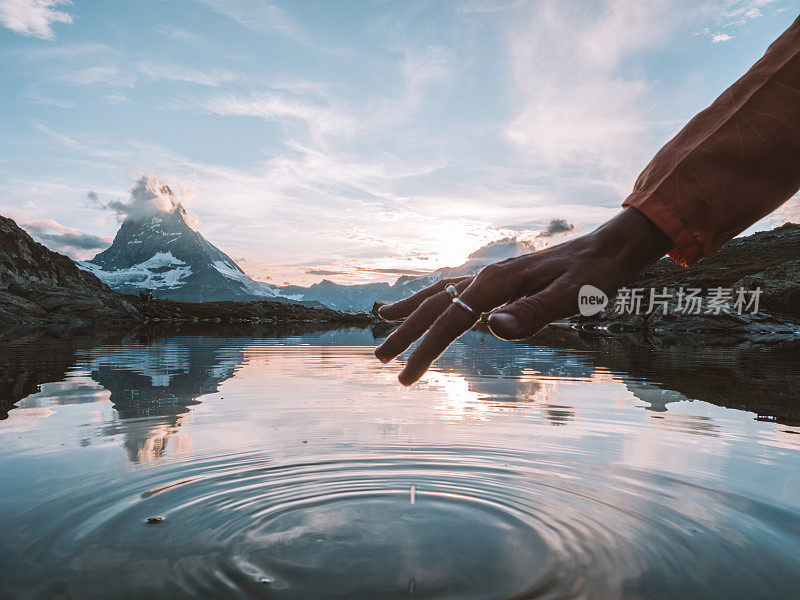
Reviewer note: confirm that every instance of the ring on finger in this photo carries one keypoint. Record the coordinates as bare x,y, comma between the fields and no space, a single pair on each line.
451,290
463,305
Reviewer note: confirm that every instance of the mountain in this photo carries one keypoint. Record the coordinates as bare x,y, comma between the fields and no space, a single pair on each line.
38,285
338,296
162,253
362,297
156,249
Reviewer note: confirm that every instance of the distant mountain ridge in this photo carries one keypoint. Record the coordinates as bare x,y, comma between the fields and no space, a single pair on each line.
363,296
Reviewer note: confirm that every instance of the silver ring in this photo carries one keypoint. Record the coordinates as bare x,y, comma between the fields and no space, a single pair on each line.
460,303
451,290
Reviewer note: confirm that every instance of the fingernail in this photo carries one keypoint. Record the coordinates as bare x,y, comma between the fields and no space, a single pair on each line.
405,378
503,324
381,356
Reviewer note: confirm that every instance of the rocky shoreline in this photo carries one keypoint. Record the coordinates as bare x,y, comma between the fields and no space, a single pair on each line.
257,312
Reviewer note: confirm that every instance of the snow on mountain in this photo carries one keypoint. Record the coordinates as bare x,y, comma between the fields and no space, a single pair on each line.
233,272
161,271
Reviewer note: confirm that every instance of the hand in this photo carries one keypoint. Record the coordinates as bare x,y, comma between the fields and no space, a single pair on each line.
531,290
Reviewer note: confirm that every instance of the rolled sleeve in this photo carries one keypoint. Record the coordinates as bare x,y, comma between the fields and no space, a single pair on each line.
732,164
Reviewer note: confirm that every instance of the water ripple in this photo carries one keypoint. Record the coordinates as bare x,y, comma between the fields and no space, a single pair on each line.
479,523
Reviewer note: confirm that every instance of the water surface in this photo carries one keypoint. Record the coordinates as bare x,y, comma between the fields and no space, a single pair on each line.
294,466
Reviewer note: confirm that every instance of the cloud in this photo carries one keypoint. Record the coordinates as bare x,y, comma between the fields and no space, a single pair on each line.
150,195
519,244
166,71
735,14
33,17
64,239
116,98
389,271
90,146
745,10
323,272
278,107
154,71
576,106
45,101
100,74
177,33
433,64
254,15
583,95
508,247
556,227
789,212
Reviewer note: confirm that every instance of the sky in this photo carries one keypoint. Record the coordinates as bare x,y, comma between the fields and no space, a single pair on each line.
354,141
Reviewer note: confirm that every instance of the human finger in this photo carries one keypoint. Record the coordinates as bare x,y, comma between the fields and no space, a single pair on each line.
524,317
452,323
403,308
416,324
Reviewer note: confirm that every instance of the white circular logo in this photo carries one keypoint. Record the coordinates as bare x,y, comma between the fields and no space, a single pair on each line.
591,300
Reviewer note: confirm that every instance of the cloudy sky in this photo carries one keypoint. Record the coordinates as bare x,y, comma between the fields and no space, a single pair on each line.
354,140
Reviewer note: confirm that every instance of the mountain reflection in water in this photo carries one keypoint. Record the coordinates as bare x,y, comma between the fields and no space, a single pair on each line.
178,370
290,464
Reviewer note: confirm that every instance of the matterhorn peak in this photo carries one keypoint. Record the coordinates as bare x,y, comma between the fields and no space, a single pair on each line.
157,249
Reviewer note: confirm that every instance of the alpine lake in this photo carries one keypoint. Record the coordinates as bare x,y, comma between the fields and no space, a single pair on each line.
290,464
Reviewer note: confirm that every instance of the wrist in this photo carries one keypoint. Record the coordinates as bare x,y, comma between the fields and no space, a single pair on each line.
632,238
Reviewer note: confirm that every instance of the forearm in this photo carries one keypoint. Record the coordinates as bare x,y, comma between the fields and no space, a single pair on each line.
732,164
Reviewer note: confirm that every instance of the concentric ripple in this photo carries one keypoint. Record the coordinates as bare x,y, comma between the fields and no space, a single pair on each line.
435,522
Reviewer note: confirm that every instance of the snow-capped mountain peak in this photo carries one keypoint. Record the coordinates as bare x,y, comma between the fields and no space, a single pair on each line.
161,252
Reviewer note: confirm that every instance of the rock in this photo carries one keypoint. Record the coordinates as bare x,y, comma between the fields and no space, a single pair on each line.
780,287
39,286
769,260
